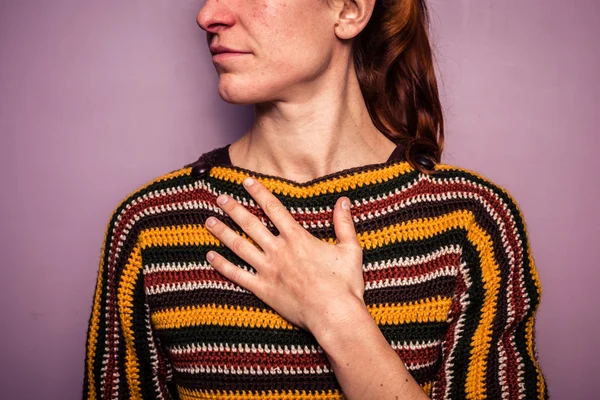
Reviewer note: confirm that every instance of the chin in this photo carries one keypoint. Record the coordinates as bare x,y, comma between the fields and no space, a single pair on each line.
234,90
243,91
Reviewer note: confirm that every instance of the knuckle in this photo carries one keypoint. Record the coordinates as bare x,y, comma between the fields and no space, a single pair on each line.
272,206
296,232
239,245
249,223
269,244
235,275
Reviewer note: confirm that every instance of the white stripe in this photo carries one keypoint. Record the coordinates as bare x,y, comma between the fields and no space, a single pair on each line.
254,370
449,270
369,285
190,286
291,349
412,261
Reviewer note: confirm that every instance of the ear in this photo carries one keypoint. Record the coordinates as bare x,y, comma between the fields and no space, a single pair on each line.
352,16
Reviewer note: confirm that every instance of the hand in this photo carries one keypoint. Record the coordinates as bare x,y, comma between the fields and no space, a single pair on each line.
297,274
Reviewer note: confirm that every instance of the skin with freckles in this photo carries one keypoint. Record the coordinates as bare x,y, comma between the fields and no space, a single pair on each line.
310,120
289,43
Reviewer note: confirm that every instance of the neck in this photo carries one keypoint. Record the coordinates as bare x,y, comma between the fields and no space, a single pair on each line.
315,133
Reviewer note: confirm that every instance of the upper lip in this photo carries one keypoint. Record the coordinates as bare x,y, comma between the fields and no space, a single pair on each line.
222,49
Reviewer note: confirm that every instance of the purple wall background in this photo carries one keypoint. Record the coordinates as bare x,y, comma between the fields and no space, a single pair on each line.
97,98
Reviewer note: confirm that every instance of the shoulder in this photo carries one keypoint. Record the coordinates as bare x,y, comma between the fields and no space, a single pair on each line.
489,202
471,182
150,198
166,192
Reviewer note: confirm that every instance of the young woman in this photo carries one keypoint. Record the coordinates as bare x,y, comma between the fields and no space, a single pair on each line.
327,253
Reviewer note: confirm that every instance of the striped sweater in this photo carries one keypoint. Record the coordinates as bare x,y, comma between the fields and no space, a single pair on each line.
449,279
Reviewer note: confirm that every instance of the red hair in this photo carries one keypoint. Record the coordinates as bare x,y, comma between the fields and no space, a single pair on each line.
394,65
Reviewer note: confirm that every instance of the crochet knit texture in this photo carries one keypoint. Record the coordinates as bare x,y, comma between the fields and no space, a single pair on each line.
449,279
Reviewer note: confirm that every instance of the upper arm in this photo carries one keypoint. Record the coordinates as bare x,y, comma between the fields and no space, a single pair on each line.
489,350
122,355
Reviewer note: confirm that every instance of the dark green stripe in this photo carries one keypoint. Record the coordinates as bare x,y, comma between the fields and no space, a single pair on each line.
210,381
426,331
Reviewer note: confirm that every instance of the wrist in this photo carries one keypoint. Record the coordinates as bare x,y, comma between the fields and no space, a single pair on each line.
341,322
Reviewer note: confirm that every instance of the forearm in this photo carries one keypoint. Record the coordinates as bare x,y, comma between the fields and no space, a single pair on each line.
364,363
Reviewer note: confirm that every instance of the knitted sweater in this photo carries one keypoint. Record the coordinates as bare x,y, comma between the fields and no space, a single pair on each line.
449,279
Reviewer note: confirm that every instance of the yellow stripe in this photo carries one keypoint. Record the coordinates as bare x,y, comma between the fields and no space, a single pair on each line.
480,344
418,229
427,388
222,315
192,394
337,184
165,177
125,301
188,235
422,228
94,323
425,310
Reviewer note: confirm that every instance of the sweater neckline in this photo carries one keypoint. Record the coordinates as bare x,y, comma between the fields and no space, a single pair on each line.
221,158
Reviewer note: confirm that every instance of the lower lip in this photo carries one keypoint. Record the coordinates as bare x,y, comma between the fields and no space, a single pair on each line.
227,56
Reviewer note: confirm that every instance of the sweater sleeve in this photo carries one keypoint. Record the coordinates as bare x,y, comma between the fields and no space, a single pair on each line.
489,350
123,357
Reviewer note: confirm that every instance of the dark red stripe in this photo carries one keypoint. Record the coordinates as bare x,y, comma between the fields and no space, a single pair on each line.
233,359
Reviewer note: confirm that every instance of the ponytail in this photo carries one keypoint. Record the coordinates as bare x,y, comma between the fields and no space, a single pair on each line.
394,65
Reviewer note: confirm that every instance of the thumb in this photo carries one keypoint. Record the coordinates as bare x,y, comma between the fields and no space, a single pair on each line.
343,223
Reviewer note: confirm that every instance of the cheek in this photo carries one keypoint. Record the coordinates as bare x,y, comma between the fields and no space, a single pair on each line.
292,45
290,33
298,23
270,19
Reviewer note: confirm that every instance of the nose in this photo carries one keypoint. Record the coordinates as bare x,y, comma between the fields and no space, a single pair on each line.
214,16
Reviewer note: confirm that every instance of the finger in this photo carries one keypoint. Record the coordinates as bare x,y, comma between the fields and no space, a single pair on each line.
232,272
343,222
271,205
247,221
239,245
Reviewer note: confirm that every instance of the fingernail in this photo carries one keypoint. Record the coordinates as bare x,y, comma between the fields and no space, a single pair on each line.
210,256
346,204
211,221
222,199
248,181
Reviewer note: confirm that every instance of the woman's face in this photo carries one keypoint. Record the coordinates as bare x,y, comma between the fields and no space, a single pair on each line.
289,44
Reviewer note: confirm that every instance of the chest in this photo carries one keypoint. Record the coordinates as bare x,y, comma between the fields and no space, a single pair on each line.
219,336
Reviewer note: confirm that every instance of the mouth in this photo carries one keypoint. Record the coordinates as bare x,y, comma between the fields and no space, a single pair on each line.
228,55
